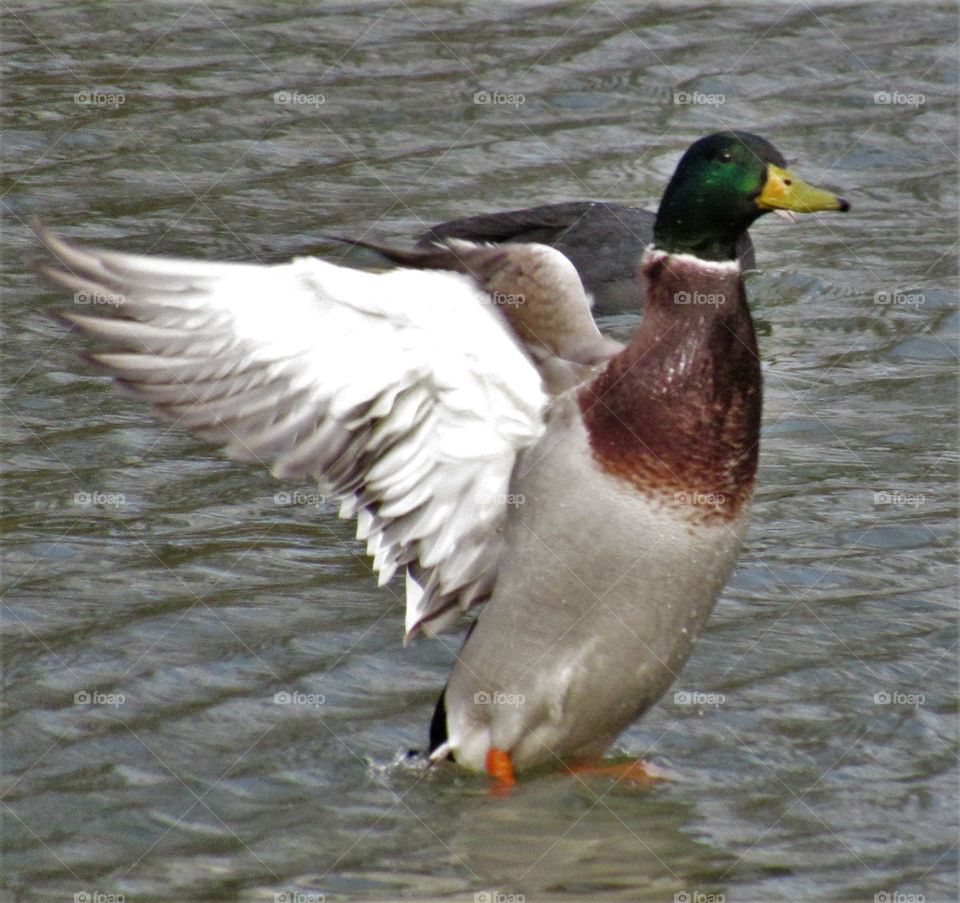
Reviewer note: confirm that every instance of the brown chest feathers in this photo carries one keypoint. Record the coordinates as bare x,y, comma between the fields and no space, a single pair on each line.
677,412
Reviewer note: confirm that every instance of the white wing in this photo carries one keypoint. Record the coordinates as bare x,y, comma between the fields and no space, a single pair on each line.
404,394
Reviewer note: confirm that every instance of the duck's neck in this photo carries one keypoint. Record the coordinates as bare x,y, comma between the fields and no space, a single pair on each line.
677,412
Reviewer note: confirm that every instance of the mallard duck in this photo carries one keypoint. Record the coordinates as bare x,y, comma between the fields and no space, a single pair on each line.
604,241
492,444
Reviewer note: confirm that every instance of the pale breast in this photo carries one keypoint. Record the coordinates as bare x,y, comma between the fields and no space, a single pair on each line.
601,593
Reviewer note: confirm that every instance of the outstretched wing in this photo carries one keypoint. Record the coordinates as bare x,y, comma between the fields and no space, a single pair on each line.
404,394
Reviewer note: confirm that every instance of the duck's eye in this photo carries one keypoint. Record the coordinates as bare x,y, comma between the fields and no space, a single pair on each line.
725,156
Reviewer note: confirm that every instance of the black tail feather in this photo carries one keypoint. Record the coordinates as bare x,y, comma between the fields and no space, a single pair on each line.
438,724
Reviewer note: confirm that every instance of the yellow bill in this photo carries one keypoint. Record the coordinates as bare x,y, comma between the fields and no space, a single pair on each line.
784,191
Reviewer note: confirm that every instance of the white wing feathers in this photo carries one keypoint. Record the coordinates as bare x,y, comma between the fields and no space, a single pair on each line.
404,394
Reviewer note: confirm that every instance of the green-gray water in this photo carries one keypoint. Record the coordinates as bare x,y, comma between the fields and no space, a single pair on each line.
181,593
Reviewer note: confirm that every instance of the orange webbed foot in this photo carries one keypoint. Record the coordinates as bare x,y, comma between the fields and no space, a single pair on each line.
636,772
500,768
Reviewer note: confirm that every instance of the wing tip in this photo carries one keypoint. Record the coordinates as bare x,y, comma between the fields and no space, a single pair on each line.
55,243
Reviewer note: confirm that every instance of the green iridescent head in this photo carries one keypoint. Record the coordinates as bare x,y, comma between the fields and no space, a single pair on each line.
721,185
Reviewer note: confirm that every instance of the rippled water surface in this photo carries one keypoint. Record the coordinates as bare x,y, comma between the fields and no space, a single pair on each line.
180,593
